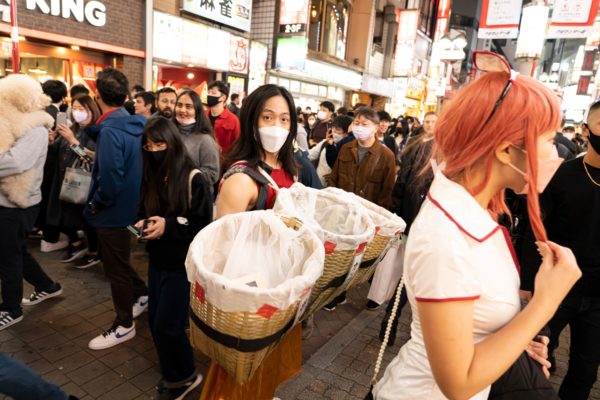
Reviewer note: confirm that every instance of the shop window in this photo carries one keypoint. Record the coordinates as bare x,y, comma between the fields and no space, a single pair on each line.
328,28
378,31
427,17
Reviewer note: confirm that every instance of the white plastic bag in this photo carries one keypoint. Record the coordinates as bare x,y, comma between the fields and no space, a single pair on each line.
334,217
244,261
388,274
387,223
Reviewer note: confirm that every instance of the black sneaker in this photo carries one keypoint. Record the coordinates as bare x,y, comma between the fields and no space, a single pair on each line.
371,305
37,297
179,393
73,253
7,320
89,260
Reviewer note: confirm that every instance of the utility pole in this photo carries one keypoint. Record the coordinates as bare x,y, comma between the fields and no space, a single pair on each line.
16,59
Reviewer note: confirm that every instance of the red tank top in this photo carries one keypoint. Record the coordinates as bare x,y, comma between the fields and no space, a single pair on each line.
279,176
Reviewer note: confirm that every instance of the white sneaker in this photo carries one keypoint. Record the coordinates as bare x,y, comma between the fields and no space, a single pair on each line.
140,305
47,247
112,337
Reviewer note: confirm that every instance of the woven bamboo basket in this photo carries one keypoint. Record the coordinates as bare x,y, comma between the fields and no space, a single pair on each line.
389,227
240,341
238,333
341,243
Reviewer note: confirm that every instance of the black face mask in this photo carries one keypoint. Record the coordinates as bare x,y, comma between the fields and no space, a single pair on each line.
594,140
212,101
157,157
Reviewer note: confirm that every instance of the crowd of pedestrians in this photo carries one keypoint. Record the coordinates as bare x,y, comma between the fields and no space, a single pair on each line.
164,165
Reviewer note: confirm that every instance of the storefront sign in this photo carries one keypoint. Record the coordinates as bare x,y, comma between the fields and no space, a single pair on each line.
234,13
407,25
190,48
588,60
168,37
405,47
594,39
93,12
572,19
584,84
291,53
441,26
533,31
415,89
331,74
237,85
378,86
293,16
500,19
259,54
239,56
218,49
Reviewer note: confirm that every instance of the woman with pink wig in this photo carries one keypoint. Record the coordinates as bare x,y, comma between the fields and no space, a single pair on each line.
460,270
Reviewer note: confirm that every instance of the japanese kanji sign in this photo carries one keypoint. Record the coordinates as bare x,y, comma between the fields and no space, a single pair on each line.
234,13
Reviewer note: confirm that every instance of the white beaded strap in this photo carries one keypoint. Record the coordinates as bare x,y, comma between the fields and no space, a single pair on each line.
388,330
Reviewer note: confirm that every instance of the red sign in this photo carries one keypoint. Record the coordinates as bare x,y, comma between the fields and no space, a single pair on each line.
441,26
583,85
588,60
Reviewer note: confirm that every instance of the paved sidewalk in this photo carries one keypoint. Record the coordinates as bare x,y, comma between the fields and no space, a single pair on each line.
53,336
52,339
342,369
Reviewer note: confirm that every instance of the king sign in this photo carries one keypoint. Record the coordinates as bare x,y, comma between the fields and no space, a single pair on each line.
93,12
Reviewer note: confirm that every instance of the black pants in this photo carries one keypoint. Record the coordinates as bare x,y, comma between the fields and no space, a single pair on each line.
15,261
582,314
125,284
168,312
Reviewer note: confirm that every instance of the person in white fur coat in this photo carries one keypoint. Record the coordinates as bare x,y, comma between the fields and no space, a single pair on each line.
23,143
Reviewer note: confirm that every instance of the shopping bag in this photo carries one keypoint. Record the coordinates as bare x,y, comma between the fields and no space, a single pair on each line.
76,183
388,274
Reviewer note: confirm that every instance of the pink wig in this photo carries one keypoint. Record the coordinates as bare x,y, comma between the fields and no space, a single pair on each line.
463,142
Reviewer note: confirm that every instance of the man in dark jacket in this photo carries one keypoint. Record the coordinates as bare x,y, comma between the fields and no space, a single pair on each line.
366,167
571,209
382,134
113,200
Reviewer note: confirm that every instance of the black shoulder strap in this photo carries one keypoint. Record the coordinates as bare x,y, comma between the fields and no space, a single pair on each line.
263,191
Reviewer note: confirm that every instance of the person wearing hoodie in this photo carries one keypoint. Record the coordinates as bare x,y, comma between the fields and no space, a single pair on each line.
113,200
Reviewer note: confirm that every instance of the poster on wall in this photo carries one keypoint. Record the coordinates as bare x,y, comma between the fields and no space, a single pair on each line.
259,53
239,55
500,19
572,19
234,13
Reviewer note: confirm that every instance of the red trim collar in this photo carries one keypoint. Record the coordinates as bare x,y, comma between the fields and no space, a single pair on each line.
106,114
462,229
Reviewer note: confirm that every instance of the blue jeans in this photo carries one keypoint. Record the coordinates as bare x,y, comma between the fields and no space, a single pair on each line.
168,312
582,314
21,383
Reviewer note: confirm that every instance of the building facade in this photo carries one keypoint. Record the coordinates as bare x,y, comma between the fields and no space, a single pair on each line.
71,41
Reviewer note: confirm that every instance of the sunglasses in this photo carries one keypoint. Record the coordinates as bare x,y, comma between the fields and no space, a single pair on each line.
486,61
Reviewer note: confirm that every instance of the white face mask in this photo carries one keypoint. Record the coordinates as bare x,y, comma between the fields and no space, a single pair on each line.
80,116
185,122
362,133
273,137
337,137
321,115
311,122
